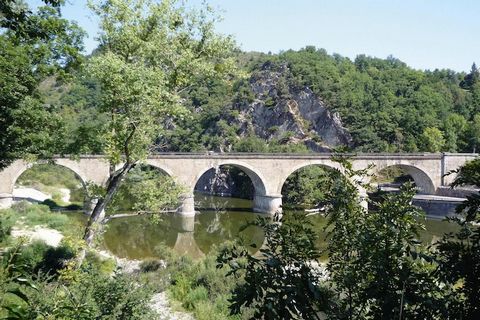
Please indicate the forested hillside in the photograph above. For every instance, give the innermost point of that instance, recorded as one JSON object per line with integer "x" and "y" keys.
{"x": 274, "y": 105}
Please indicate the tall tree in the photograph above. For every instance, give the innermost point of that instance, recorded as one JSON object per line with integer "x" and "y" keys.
{"x": 471, "y": 78}
{"x": 376, "y": 264}
{"x": 459, "y": 252}
{"x": 33, "y": 46}
{"x": 149, "y": 53}
{"x": 474, "y": 133}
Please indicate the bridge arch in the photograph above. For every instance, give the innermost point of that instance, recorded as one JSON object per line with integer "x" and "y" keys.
{"x": 262, "y": 202}
{"x": 11, "y": 175}
{"x": 164, "y": 169}
{"x": 324, "y": 164}
{"x": 254, "y": 175}
{"x": 422, "y": 180}
{"x": 25, "y": 166}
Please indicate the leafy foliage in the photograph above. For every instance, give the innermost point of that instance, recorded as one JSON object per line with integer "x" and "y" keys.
{"x": 149, "y": 53}
{"x": 33, "y": 45}
{"x": 384, "y": 103}
{"x": 306, "y": 187}
{"x": 200, "y": 287}
{"x": 458, "y": 254}
{"x": 283, "y": 282}
{"x": 146, "y": 190}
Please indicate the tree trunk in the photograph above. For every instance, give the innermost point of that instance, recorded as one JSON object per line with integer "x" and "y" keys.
{"x": 94, "y": 220}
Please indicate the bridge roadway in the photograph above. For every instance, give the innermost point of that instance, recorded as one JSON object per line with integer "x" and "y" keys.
{"x": 268, "y": 172}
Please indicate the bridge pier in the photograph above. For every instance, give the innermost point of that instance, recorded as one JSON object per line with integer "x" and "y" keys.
{"x": 187, "y": 206}
{"x": 267, "y": 204}
{"x": 6, "y": 200}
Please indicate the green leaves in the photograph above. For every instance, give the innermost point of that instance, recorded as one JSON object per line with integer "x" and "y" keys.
{"x": 33, "y": 45}
{"x": 149, "y": 190}
{"x": 149, "y": 53}
{"x": 458, "y": 255}
{"x": 378, "y": 267}
{"x": 283, "y": 282}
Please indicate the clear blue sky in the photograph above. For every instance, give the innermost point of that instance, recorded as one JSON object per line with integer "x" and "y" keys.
{"x": 426, "y": 34}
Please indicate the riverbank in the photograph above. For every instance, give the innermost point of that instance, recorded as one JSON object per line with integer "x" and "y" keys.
{"x": 159, "y": 303}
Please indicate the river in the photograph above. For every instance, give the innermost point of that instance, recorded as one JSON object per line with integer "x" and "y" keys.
{"x": 219, "y": 220}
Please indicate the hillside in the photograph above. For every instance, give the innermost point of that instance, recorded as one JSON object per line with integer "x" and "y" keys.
{"x": 306, "y": 100}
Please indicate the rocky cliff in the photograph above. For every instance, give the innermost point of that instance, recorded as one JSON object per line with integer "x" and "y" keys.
{"x": 282, "y": 110}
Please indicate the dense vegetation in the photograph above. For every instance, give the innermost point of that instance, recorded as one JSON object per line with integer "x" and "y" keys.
{"x": 33, "y": 46}
{"x": 162, "y": 79}
{"x": 386, "y": 105}
{"x": 389, "y": 106}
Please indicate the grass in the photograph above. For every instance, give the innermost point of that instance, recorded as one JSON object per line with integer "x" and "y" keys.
{"x": 31, "y": 215}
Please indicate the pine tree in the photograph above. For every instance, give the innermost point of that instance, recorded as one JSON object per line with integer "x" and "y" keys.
{"x": 470, "y": 79}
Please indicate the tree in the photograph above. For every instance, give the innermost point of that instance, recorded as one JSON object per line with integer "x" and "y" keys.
{"x": 33, "y": 46}
{"x": 458, "y": 254}
{"x": 433, "y": 140}
{"x": 455, "y": 126}
{"x": 471, "y": 78}
{"x": 377, "y": 267}
{"x": 474, "y": 133}
{"x": 149, "y": 53}
{"x": 284, "y": 282}
{"x": 306, "y": 187}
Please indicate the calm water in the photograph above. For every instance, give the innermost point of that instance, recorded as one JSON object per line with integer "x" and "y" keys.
{"x": 219, "y": 220}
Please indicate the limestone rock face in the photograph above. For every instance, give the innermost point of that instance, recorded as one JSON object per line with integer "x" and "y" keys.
{"x": 285, "y": 111}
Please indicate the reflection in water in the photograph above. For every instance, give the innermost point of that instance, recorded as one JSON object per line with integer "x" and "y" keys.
{"x": 137, "y": 238}
{"x": 219, "y": 221}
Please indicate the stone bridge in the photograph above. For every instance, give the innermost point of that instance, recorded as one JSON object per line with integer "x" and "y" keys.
{"x": 268, "y": 172}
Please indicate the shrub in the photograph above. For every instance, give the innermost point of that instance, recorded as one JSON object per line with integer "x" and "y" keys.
{"x": 92, "y": 296}
{"x": 7, "y": 220}
{"x": 194, "y": 296}
{"x": 282, "y": 283}
{"x": 151, "y": 265}
{"x": 37, "y": 257}
{"x": 201, "y": 287}
{"x": 55, "y": 259}
{"x": 270, "y": 102}
{"x": 28, "y": 256}
{"x": 105, "y": 266}
{"x": 40, "y": 215}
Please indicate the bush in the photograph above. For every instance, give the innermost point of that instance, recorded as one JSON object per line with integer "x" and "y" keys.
{"x": 151, "y": 265}
{"x": 119, "y": 297}
{"x": 194, "y": 296}
{"x": 282, "y": 283}
{"x": 55, "y": 259}
{"x": 201, "y": 287}
{"x": 92, "y": 296}
{"x": 38, "y": 214}
{"x": 28, "y": 256}
{"x": 104, "y": 266}
{"x": 38, "y": 257}
{"x": 7, "y": 220}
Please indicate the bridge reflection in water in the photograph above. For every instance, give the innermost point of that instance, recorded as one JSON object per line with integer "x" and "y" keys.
{"x": 219, "y": 220}
{"x": 195, "y": 236}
